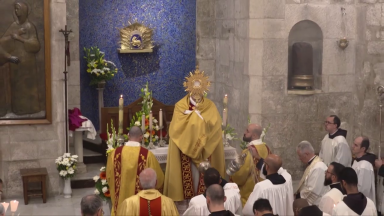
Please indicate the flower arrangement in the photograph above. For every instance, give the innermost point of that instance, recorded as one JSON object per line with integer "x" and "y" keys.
{"x": 101, "y": 185}
{"x": 230, "y": 133}
{"x": 99, "y": 68}
{"x": 66, "y": 165}
{"x": 264, "y": 133}
{"x": 111, "y": 139}
{"x": 137, "y": 118}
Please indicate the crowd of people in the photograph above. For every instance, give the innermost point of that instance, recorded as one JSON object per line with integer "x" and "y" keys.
{"x": 339, "y": 181}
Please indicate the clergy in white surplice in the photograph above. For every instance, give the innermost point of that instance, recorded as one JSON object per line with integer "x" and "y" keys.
{"x": 198, "y": 204}
{"x": 336, "y": 194}
{"x": 334, "y": 146}
{"x": 355, "y": 202}
{"x": 362, "y": 164}
{"x": 277, "y": 188}
{"x": 311, "y": 186}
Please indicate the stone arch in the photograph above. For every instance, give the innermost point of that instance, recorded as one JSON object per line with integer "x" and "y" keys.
{"x": 309, "y": 32}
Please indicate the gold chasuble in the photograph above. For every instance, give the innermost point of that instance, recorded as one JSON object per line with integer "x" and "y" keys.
{"x": 194, "y": 137}
{"x": 147, "y": 202}
{"x": 244, "y": 178}
{"x": 124, "y": 165}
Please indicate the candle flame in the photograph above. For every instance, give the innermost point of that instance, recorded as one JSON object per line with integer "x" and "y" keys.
{"x": 121, "y": 96}
{"x": 226, "y": 95}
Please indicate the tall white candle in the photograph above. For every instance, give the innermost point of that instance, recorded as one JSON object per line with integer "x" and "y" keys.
{"x": 5, "y": 205}
{"x": 224, "y": 117}
{"x": 14, "y": 204}
{"x": 121, "y": 114}
{"x": 150, "y": 120}
{"x": 143, "y": 122}
{"x": 160, "y": 118}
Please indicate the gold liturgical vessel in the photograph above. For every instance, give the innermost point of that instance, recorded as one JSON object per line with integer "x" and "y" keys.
{"x": 302, "y": 62}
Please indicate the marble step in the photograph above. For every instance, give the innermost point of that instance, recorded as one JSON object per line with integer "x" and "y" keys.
{"x": 85, "y": 180}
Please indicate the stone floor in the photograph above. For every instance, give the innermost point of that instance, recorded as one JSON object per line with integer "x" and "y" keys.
{"x": 59, "y": 206}
{"x": 55, "y": 206}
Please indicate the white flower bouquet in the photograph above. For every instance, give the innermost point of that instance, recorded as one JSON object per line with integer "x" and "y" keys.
{"x": 66, "y": 165}
{"x": 101, "y": 185}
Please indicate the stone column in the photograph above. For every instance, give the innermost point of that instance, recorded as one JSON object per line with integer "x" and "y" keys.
{"x": 78, "y": 140}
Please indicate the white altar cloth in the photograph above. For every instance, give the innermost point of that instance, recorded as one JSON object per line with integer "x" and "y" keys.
{"x": 162, "y": 152}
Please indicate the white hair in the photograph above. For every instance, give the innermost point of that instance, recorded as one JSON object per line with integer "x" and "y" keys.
{"x": 305, "y": 147}
{"x": 148, "y": 179}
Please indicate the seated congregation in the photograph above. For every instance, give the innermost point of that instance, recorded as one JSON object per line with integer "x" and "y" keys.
{"x": 333, "y": 183}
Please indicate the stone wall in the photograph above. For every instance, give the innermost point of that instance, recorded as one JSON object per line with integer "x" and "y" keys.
{"x": 74, "y": 69}
{"x": 251, "y": 42}
{"x": 222, "y": 52}
{"x": 31, "y": 146}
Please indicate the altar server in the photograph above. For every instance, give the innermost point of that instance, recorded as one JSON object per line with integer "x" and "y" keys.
{"x": 336, "y": 194}
{"x": 334, "y": 147}
{"x": 149, "y": 201}
{"x": 355, "y": 203}
{"x": 124, "y": 165}
{"x": 363, "y": 167}
{"x": 277, "y": 188}
{"x": 198, "y": 204}
{"x": 311, "y": 185}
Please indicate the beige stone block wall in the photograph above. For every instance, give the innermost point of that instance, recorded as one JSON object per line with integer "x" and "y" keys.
{"x": 252, "y": 41}
{"x": 32, "y": 146}
{"x": 222, "y": 47}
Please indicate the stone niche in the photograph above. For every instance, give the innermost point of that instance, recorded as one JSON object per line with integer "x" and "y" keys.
{"x": 309, "y": 32}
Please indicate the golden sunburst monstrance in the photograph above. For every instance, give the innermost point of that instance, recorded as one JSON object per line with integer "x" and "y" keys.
{"x": 197, "y": 82}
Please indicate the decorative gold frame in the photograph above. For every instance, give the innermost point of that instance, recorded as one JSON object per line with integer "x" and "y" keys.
{"x": 47, "y": 59}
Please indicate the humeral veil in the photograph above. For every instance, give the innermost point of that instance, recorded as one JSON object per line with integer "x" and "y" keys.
{"x": 194, "y": 137}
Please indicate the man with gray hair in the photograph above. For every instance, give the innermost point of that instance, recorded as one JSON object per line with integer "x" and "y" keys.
{"x": 149, "y": 201}
{"x": 91, "y": 205}
{"x": 311, "y": 186}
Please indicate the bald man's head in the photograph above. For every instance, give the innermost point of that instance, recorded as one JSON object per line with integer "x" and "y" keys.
{"x": 215, "y": 194}
{"x": 148, "y": 179}
{"x": 273, "y": 163}
{"x": 135, "y": 134}
{"x": 253, "y": 132}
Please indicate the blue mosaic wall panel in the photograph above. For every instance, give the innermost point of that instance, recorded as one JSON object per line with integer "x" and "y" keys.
{"x": 174, "y": 23}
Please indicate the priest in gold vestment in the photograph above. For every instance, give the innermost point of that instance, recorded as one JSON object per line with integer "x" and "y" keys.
{"x": 195, "y": 136}
{"x": 124, "y": 165}
{"x": 149, "y": 201}
{"x": 249, "y": 174}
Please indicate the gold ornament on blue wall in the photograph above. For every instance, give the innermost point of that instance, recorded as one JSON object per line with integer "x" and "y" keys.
{"x": 136, "y": 38}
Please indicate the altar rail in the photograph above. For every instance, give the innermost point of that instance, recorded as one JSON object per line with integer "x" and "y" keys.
{"x": 112, "y": 113}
